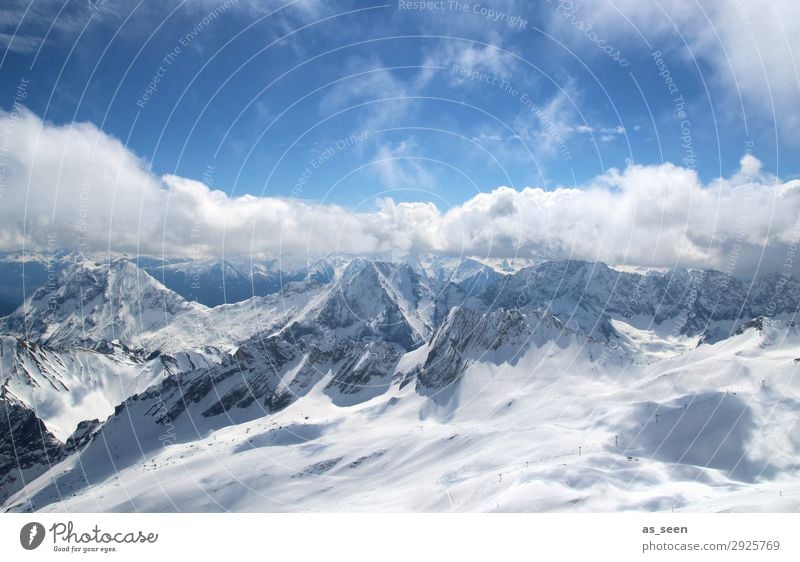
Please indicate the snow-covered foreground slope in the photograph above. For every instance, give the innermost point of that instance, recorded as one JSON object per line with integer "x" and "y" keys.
{"x": 713, "y": 428}
{"x": 51, "y": 402}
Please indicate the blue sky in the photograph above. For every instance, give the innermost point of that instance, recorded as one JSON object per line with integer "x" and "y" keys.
{"x": 369, "y": 105}
{"x": 257, "y": 95}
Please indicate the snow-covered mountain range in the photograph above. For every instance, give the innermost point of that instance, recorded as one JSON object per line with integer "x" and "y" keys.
{"x": 426, "y": 383}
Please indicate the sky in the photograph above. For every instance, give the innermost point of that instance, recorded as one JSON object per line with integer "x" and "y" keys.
{"x": 650, "y": 133}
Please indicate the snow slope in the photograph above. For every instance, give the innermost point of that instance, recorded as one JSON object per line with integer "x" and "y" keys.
{"x": 64, "y": 388}
{"x": 557, "y": 430}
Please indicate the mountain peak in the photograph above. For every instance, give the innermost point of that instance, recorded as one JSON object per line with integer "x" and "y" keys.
{"x": 94, "y": 302}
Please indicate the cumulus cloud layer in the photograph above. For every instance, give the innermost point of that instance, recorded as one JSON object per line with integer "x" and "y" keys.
{"x": 74, "y": 187}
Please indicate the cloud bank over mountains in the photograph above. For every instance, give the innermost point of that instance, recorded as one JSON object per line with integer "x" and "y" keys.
{"x": 75, "y": 187}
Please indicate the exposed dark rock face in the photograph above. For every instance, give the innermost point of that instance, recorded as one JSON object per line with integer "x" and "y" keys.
{"x": 27, "y": 448}
{"x": 82, "y": 435}
{"x": 468, "y": 335}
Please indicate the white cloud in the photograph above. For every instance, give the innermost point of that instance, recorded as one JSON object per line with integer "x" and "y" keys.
{"x": 547, "y": 127}
{"x": 366, "y": 80}
{"x": 25, "y": 24}
{"x": 84, "y": 189}
{"x": 395, "y": 164}
{"x": 489, "y": 58}
{"x": 750, "y": 46}
{"x": 397, "y": 167}
{"x": 77, "y": 184}
{"x": 19, "y": 43}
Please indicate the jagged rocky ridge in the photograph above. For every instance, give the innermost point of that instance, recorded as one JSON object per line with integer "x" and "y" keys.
{"x": 369, "y": 326}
